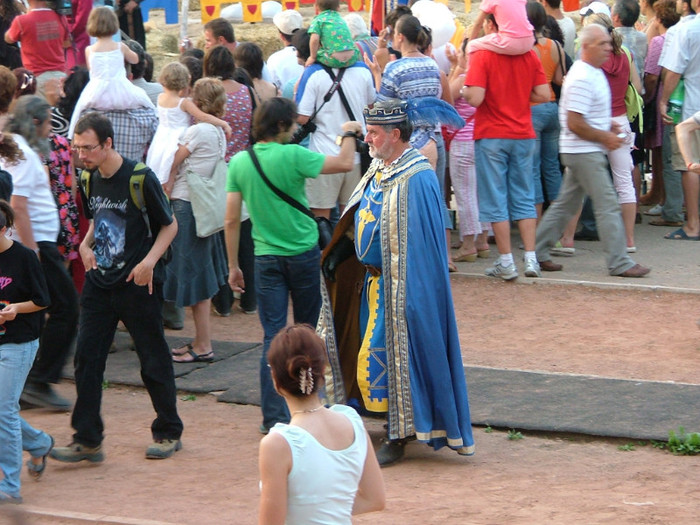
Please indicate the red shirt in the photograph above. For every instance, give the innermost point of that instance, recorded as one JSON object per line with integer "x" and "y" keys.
{"x": 41, "y": 34}
{"x": 508, "y": 81}
{"x": 617, "y": 71}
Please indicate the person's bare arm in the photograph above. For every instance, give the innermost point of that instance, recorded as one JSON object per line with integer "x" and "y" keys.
{"x": 686, "y": 133}
{"x": 345, "y": 160}
{"x": 370, "y": 495}
{"x": 671, "y": 80}
{"x": 274, "y": 463}
{"x": 474, "y": 95}
{"x": 232, "y": 235}
{"x": 634, "y": 78}
{"x": 476, "y": 26}
{"x": 142, "y": 273}
{"x": 578, "y": 125}
{"x": 180, "y": 155}
{"x": 23, "y": 223}
{"x": 314, "y": 45}
{"x": 130, "y": 56}
{"x": 540, "y": 94}
{"x": 12, "y": 310}
{"x": 446, "y": 91}
{"x": 8, "y": 39}
{"x": 85, "y": 249}
{"x": 650, "y": 84}
{"x": 192, "y": 109}
{"x": 381, "y": 54}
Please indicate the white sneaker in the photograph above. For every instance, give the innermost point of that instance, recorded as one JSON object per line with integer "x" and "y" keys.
{"x": 655, "y": 210}
{"x": 532, "y": 269}
{"x": 507, "y": 273}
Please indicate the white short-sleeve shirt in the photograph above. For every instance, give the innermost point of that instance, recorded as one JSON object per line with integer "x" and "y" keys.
{"x": 586, "y": 91}
{"x": 30, "y": 180}
{"x": 682, "y": 55}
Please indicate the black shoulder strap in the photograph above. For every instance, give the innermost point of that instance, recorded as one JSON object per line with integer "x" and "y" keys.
{"x": 286, "y": 198}
{"x": 335, "y": 86}
{"x": 344, "y": 100}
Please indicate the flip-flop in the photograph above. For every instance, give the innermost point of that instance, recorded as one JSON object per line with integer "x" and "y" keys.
{"x": 664, "y": 222}
{"x": 182, "y": 350}
{"x": 197, "y": 358}
{"x": 36, "y": 470}
{"x": 680, "y": 235}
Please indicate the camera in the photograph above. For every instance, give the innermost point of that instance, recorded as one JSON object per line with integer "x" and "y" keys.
{"x": 303, "y": 131}
{"x": 62, "y": 7}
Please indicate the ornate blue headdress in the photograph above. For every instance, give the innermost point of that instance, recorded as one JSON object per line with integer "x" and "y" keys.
{"x": 424, "y": 111}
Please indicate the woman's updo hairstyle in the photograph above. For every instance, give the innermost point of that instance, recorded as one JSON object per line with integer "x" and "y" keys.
{"x": 410, "y": 27}
{"x": 297, "y": 357}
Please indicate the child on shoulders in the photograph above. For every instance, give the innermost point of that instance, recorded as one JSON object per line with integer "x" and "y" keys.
{"x": 515, "y": 34}
{"x": 331, "y": 42}
{"x": 108, "y": 88}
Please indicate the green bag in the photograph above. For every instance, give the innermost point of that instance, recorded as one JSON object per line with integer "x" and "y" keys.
{"x": 633, "y": 100}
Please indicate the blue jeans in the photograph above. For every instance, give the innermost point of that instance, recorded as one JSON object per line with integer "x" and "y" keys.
{"x": 276, "y": 277}
{"x": 15, "y": 433}
{"x": 545, "y": 161}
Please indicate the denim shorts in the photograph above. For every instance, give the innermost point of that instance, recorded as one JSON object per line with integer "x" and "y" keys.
{"x": 504, "y": 179}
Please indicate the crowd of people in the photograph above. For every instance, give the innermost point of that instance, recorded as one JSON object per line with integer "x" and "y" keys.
{"x": 530, "y": 124}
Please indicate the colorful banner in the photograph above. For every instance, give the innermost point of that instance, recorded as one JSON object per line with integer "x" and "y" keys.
{"x": 252, "y": 10}
{"x": 356, "y": 5}
{"x": 211, "y": 9}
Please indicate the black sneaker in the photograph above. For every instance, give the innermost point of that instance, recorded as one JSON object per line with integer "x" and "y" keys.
{"x": 43, "y": 395}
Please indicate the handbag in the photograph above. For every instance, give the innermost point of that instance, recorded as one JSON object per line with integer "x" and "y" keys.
{"x": 208, "y": 197}
{"x": 325, "y": 228}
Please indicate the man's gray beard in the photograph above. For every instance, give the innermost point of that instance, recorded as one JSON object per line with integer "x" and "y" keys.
{"x": 374, "y": 153}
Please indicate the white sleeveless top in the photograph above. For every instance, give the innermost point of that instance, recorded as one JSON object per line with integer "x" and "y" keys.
{"x": 322, "y": 483}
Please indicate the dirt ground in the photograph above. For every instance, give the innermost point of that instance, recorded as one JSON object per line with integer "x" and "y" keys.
{"x": 539, "y": 479}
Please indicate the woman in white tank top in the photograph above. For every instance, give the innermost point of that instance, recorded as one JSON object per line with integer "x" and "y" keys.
{"x": 320, "y": 468}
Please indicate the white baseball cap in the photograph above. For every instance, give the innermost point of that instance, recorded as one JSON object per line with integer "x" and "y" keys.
{"x": 595, "y": 7}
{"x": 288, "y": 21}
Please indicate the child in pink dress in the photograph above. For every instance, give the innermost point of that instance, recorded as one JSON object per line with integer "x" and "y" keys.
{"x": 515, "y": 33}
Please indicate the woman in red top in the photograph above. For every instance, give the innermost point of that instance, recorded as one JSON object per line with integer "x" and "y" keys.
{"x": 619, "y": 73}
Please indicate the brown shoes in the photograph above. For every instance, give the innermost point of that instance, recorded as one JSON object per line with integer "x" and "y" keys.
{"x": 636, "y": 271}
{"x": 549, "y": 266}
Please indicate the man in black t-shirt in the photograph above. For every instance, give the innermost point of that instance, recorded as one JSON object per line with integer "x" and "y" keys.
{"x": 122, "y": 256}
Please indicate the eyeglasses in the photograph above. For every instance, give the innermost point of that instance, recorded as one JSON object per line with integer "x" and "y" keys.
{"x": 85, "y": 149}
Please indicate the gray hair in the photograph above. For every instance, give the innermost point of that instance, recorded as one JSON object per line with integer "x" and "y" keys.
{"x": 357, "y": 26}
{"x": 25, "y": 111}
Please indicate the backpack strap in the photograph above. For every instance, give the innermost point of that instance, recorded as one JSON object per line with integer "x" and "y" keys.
{"x": 136, "y": 182}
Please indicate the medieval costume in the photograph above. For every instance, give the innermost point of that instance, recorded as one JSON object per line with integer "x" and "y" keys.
{"x": 388, "y": 318}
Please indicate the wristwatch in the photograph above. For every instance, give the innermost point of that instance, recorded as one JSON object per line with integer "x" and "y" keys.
{"x": 339, "y": 138}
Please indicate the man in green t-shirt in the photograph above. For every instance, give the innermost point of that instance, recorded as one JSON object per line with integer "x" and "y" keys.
{"x": 287, "y": 257}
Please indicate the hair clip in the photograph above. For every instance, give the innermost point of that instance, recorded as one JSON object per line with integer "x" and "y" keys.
{"x": 306, "y": 380}
{"x": 27, "y": 80}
